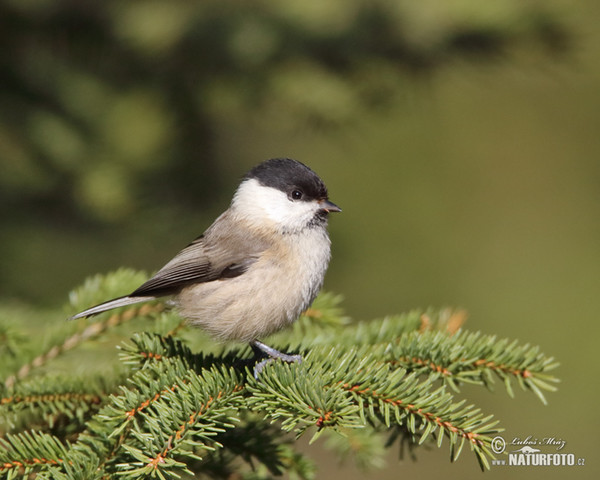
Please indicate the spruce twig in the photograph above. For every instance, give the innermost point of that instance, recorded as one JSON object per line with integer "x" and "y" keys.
{"x": 170, "y": 411}
{"x": 88, "y": 333}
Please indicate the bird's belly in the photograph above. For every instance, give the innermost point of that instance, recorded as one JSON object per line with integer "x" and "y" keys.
{"x": 269, "y": 296}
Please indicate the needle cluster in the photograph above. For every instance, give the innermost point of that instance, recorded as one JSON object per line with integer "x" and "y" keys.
{"x": 159, "y": 409}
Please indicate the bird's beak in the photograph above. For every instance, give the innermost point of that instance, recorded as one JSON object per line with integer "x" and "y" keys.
{"x": 329, "y": 207}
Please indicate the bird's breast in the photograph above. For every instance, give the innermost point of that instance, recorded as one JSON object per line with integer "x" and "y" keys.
{"x": 271, "y": 294}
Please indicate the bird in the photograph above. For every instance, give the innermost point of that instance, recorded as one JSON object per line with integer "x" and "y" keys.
{"x": 257, "y": 267}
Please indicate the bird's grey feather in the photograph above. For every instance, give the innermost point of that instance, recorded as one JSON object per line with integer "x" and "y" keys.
{"x": 115, "y": 303}
{"x": 219, "y": 253}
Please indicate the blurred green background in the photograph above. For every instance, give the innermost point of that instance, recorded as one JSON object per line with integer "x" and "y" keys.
{"x": 460, "y": 138}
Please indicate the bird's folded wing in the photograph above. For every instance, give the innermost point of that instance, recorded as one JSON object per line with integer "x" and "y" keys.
{"x": 218, "y": 254}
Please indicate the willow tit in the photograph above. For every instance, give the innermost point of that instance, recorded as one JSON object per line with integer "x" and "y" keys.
{"x": 257, "y": 267}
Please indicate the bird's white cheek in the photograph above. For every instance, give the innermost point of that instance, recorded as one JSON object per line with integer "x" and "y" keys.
{"x": 291, "y": 215}
{"x": 254, "y": 201}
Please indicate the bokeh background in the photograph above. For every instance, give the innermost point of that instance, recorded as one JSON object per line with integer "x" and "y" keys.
{"x": 461, "y": 139}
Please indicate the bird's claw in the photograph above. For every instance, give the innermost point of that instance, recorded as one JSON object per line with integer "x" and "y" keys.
{"x": 268, "y": 355}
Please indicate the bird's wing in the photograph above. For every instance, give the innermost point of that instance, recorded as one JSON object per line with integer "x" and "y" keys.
{"x": 218, "y": 254}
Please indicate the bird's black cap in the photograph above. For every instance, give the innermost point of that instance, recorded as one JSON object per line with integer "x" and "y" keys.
{"x": 287, "y": 174}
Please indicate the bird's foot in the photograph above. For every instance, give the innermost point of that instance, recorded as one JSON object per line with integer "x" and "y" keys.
{"x": 269, "y": 354}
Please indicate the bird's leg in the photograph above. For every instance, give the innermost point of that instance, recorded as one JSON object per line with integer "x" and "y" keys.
{"x": 268, "y": 354}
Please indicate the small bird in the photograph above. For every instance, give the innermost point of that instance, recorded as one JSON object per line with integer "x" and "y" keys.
{"x": 257, "y": 267}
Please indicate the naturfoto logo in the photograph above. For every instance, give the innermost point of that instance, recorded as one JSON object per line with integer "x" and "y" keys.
{"x": 531, "y": 451}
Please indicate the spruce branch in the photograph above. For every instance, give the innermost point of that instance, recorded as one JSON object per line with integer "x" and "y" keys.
{"x": 168, "y": 411}
{"x": 87, "y": 333}
{"x": 69, "y": 335}
{"x": 261, "y": 447}
{"x": 52, "y": 400}
{"x": 301, "y": 397}
{"x": 431, "y": 343}
{"x": 29, "y": 452}
{"x": 180, "y": 423}
{"x": 471, "y": 357}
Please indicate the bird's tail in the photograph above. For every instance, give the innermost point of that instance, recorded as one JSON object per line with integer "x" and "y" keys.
{"x": 117, "y": 302}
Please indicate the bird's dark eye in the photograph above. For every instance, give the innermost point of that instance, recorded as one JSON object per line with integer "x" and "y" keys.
{"x": 296, "y": 195}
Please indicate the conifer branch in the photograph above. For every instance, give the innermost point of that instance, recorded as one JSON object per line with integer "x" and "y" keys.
{"x": 431, "y": 343}
{"x": 169, "y": 411}
{"x": 88, "y": 333}
{"x": 52, "y": 400}
{"x": 28, "y": 452}
{"x": 181, "y": 423}
{"x": 473, "y": 358}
